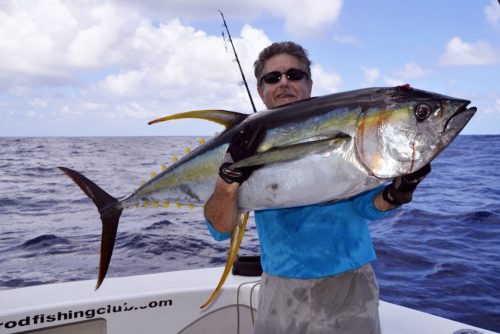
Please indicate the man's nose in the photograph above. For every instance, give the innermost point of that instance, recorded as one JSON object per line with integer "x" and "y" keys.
{"x": 284, "y": 80}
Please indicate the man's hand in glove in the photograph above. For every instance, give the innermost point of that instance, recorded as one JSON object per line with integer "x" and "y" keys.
{"x": 243, "y": 145}
{"x": 401, "y": 190}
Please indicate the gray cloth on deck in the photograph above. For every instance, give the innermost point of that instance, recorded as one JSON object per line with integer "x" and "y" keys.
{"x": 346, "y": 303}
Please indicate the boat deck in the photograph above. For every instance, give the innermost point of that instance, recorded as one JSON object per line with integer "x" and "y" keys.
{"x": 168, "y": 303}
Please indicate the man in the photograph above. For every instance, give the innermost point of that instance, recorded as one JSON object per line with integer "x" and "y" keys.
{"x": 317, "y": 277}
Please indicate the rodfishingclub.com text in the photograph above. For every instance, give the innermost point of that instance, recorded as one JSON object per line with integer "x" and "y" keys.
{"x": 39, "y": 319}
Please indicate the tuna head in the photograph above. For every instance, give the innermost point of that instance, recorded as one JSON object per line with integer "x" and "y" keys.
{"x": 407, "y": 129}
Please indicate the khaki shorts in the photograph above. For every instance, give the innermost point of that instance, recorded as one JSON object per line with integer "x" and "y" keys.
{"x": 346, "y": 303}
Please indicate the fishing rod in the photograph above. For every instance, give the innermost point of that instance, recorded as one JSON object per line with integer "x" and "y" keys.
{"x": 237, "y": 61}
{"x": 238, "y": 231}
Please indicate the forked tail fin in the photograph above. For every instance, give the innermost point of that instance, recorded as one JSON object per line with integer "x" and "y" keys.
{"x": 110, "y": 210}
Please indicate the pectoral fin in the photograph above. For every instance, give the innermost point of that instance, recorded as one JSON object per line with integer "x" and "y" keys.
{"x": 223, "y": 117}
{"x": 292, "y": 152}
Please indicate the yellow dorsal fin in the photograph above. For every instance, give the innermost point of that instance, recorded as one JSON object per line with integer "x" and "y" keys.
{"x": 223, "y": 117}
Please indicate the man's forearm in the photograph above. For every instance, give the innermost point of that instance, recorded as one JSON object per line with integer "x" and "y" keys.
{"x": 221, "y": 210}
{"x": 381, "y": 204}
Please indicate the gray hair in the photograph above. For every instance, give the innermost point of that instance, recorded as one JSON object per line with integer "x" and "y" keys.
{"x": 290, "y": 48}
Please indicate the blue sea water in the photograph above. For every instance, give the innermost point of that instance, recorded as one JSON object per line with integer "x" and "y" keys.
{"x": 439, "y": 254}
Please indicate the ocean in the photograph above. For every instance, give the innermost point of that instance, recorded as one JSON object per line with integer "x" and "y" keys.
{"x": 439, "y": 254}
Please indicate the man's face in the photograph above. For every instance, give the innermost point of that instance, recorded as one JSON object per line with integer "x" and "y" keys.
{"x": 284, "y": 91}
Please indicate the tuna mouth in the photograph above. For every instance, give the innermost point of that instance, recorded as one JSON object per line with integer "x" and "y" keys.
{"x": 459, "y": 118}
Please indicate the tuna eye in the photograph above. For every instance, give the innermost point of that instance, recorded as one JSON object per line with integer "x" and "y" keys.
{"x": 422, "y": 111}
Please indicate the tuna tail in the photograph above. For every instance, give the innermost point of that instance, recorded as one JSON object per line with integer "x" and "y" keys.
{"x": 110, "y": 210}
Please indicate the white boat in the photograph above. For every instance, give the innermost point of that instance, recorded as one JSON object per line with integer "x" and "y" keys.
{"x": 168, "y": 303}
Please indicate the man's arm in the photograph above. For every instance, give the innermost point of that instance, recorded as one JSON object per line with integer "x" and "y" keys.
{"x": 381, "y": 204}
{"x": 221, "y": 210}
{"x": 400, "y": 191}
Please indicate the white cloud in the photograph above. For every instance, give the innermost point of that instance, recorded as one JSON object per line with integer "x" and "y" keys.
{"x": 183, "y": 69}
{"x": 132, "y": 110}
{"x": 38, "y": 103}
{"x": 300, "y": 17}
{"x": 119, "y": 60}
{"x": 460, "y": 53}
{"x": 496, "y": 107}
{"x": 346, "y": 39}
{"x": 370, "y": 76}
{"x": 52, "y": 41}
{"x": 68, "y": 112}
{"x": 492, "y": 13}
{"x": 124, "y": 84}
{"x": 492, "y": 107}
{"x": 49, "y": 40}
{"x": 101, "y": 36}
{"x": 166, "y": 10}
{"x": 33, "y": 37}
{"x": 411, "y": 71}
{"x": 324, "y": 82}
{"x": 303, "y": 18}
{"x": 93, "y": 60}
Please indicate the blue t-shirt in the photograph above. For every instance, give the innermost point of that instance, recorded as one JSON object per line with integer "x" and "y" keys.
{"x": 316, "y": 240}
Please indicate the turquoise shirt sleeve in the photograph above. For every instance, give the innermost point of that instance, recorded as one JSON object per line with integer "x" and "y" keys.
{"x": 219, "y": 236}
{"x": 363, "y": 204}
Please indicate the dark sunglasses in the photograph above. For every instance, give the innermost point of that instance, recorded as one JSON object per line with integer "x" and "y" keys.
{"x": 293, "y": 74}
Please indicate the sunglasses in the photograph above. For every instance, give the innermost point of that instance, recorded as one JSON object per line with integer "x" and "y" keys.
{"x": 293, "y": 74}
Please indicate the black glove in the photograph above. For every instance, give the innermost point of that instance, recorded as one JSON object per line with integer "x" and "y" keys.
{"x": 243, "y": 145}
{"x": 401, "y": 190}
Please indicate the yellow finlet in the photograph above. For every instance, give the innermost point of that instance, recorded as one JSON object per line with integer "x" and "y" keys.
{"x": 201, "y": 141}
{"x": 166, "y": 204}
{"x": 163, "y": 166}
{"x": 188, "y": 150}
{"x": 153, "y": 174}
{"x": 155, "y": 204}
{"x": 136, "y": 205}
{"x": 174, "y": 158}
{"x": 191, "y": 206}
{"x": 178, "y": 205}
{"x": 146, "y": 204}
{"x": 143, "y": 181}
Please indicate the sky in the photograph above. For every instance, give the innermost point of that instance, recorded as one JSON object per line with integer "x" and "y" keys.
{"x": 106, "y": 68}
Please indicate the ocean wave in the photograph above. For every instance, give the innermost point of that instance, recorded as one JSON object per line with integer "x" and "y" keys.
{"x": 45, "y": 242}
